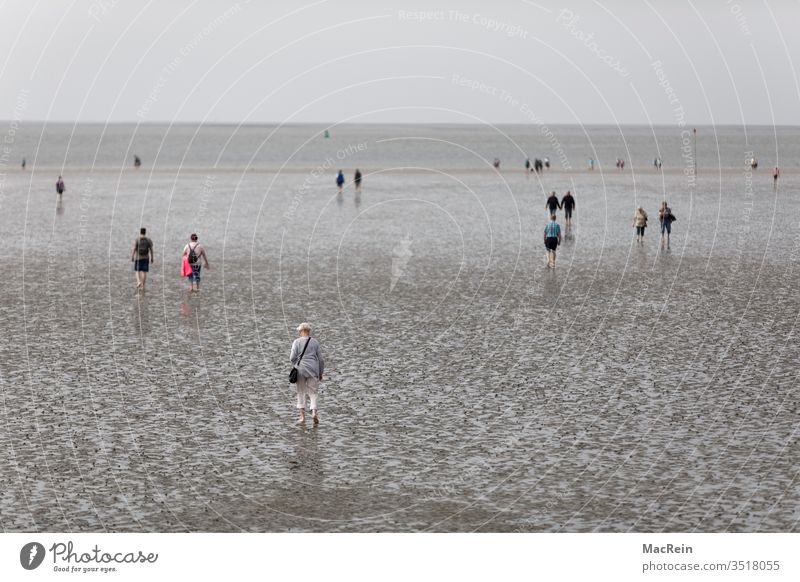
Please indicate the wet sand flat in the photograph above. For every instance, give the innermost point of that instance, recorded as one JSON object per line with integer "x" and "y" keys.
{"x": 469, "y": 388}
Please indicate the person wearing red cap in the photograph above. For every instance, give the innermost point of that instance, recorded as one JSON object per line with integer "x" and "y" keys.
{"x": 194, "y": 252}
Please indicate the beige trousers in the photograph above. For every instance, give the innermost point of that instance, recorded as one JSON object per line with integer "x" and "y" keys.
{"x": 307, "y": 387}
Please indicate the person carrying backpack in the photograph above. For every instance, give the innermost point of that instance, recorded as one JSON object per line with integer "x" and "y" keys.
{"x": 142, "y": 255}
{"x": 666, "y": 218}
{"x": 194, "y": 253}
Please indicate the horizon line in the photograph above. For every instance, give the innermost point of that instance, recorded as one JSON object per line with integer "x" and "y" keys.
{"x": 350, "y": 123}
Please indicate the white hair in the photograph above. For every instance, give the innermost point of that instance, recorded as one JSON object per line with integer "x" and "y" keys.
{"x": 304, "y": 327}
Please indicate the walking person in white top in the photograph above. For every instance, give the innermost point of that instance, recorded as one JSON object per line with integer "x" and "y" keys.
{"x": 306, "y": 356}
{"x": 194, "y": 251}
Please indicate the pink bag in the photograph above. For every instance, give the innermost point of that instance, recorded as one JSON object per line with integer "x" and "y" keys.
{"x": 186, "y": 268}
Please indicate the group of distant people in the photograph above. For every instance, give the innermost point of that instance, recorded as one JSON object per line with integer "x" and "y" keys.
{"x": 537, "y": 165}
{"x": 665, "y": 219}
{"x": 552, "y": 230}
{"x": 340, "y": 180}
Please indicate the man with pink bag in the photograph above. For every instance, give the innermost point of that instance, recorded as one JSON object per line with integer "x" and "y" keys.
{"x": 193, "y": 252}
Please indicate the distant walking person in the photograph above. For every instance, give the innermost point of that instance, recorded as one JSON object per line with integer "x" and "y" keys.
{"x": 340, "y": 181}
{"x": 357, "y": 180}
{"x": 640, "y": 222}
{"x": 527, "y": 164}
{"x": 60, "y": 188}
{"x": 23, "y": 163}
{"x": 194, "y": 253}
{"x": 547, "y": 162}
{"x": 667, "y": 218}
{"x": 552, "y": 205}
{"x": 591, "y": 164}
{"x": 496, "y": 163}
{"x": 552, "y": 238}
{"x": 568, "y": 204}
{"x": 142, "y": 256}
{"x": 306, "y": 356}
{"x": 776, "y": 173}
{"x": 137, "y": 162}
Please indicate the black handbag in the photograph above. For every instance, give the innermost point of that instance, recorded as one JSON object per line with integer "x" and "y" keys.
{"x": 293, "y": 373}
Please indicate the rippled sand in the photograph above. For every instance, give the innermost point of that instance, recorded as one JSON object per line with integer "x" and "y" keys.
{"x": 469, "y": 388}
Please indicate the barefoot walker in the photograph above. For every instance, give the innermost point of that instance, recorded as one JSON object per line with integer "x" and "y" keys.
{"x": 640, "y": 222}
{"x": 142, "y": 255}
{"x": 667, "y": 218}
{"x": 194, "y": 253}
{"x": 552, "y": 238}
{"x": 306, "y": 358}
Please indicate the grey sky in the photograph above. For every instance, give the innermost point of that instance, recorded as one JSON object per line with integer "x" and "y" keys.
{"x": 507, "y": 61}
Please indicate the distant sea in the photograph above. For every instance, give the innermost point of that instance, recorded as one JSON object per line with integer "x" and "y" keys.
{"x": 291, "y": 147}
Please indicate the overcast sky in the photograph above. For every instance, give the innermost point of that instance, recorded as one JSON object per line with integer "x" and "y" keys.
{"x": 505, "y": 61}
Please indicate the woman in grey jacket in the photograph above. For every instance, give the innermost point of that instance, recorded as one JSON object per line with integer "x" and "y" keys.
{"x": 309, "y": 371}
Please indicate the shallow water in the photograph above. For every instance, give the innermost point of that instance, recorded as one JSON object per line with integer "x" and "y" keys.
{"x": 468, "y": 387}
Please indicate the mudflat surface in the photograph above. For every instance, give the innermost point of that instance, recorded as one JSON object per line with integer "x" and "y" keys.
{"x": 468, "y": 387}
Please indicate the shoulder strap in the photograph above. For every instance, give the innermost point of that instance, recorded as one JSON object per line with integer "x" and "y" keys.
{"x": 303, "y": 353}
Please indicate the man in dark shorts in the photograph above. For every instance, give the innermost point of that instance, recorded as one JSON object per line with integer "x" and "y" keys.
{"x": 142, "y": 255}
{"x": 357, "y": 180}
{"x": 568, "y": 204}
{"x": 60, "y": 188}
{"x": 552, "y": 204}
{"x": 552, "y": 238}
